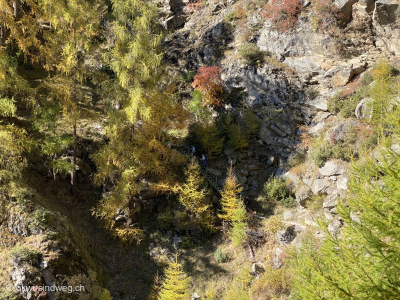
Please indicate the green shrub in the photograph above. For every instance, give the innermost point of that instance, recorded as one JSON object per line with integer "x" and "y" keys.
{"x": 219, "y": 256}
{"x": 345, "y": 150}
{"x": 289, "y": 202}
{"x": 251, "y": 54}
{"x": 26, "y": 254}
{"x": 312, "y": 93}
{"x": 367, "y": 78}
{"x": 322, "y": 154}
{"x": 277, "y": 190}
{"x": 345, "y": 102}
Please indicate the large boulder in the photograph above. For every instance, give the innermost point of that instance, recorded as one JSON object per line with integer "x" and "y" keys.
{"x": 386, "y": 22}
{"x": 345, "y": 8}
{"x": 319, "y": 186}
{"x": 364, "y": 109}
{"x": 332, "y": 168}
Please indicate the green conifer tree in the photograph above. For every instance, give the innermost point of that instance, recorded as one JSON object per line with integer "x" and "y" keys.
{"x": 363, "y": 261}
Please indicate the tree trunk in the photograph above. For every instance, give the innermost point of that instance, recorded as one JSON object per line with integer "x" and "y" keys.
{"x": 3, "y": 34}
{"x": 73, "y": 172}
{"x": 15, "y": 7}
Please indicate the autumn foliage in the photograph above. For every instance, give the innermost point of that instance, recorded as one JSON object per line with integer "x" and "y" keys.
{"x": 208, "y": 81}
{"x": 283, "y": 13}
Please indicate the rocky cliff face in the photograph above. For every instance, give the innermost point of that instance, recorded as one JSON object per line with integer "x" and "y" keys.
{"x": 305, "y": 67}
{"x": 39, "y": 248}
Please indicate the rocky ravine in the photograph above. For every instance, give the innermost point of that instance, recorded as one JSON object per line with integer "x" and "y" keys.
{"x": 306, "y": 67}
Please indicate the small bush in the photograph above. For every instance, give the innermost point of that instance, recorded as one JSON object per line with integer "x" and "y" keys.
{"x": 345, "y": 102}
{"x": 251, "y": 54}
{"x": 312, "y": 93}
{"x": 273, "y": 225}
{"x": 193, "y": 6}
{"x": 367, "y": 78}
{"x": 326, "y": 15}
{"x": 25, "y": 254}
{"x": 277, "y": 190}
{"x": 273, "y": 284}
{"x": 237, "y": 14}
{"x": 346, "y": 150}
{"x": 219, "y": 256}
{"x": 208, "y": 80}
{"x": 322, "y": 154}
{"x": 289, "y": 202}
{"x": 283, "y": 13}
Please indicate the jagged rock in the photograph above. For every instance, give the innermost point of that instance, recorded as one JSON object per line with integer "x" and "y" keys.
{"x": 341, "y": 183}
{"x": 244, "y": 172}
{"x": 319, "y": 186}
{"x": 341, "y": 75}
{"x": 266, "y": 135}
{"x": 308, "y": 180}
{"x": 277, "y": 130}
{"x": 364, "y": 109}
{"x": 303, "y": 194}
{"x": 175, "y": 242}
{"x": 174, "y": 21}
{"x": 195, "y": 296}
{"x": 286, "y": 236}
{"x": 331, "y": 201}
{"x": 257, "y": 268}
{"x": 386, "y": 21}
{"x": 287, "y": 215}
{"x": 332, "y": 168}
{"x": 320, "y": 103}
{"x": 253, "y": 166}
{"x": 315, "y": 129}
{"x": 271, "y": 161}
{"x": 293, "y": 178}
{"x": 294, "y": 44}
{"x": 368, "y": 5}
{"x": 345, "y": 7}
{"x": 310, "y": 222}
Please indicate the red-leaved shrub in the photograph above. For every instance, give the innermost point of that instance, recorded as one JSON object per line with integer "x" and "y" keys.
{"x": 208, "y": 80}
{"x": 283, "y": 13}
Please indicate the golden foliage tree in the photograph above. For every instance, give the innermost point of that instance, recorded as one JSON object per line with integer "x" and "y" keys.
{"x": 176, "y": 283}
{"x": 68, "y": 45}
{"x": 143, "y": 114}
{"x": 192, "y": 195}
{"x": 233, "y": 209}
